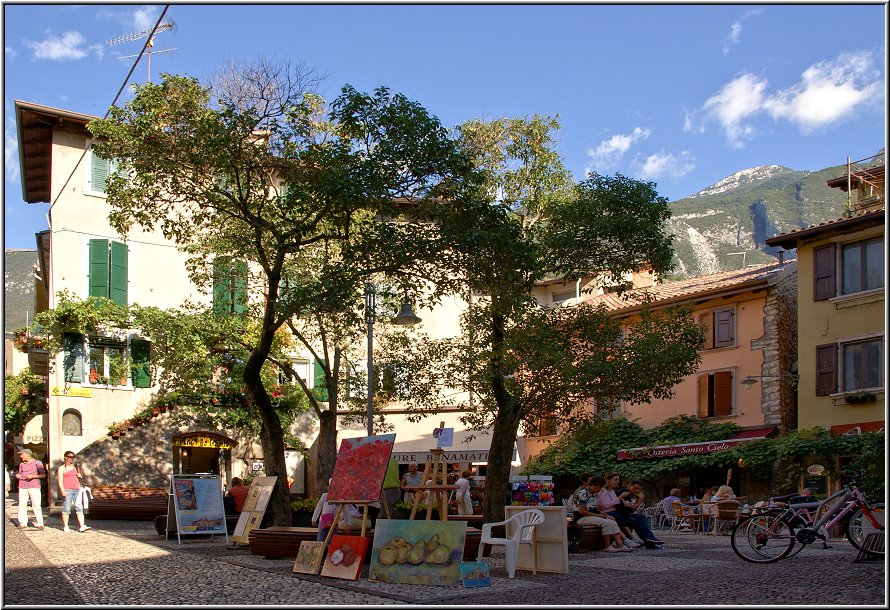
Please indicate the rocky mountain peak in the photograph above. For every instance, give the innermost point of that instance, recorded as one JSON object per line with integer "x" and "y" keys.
{"x": 742, "y": 178}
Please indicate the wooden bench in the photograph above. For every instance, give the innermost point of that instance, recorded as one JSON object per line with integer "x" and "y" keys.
{"x": 278, "y": 542}
{"x": 127, "y": 503}
{"x": 585, "y": 538}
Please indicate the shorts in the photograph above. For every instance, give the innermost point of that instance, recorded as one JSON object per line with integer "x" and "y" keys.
{"x": 71, "y": 499}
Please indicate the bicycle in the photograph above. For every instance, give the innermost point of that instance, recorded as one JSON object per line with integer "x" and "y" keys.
{"x": 772, "y": 535}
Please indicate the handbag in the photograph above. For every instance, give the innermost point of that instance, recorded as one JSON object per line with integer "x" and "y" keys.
{"x": 326, "y": 521}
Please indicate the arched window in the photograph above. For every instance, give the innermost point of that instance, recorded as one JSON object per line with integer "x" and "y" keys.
{"x": 72, "y": 424}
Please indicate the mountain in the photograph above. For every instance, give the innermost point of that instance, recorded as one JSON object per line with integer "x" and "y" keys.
{"x": 713, "y": 227}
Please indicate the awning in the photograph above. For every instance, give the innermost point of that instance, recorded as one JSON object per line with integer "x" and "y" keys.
{"x": 665, "y": 451}
{"x": 860, "y": 428}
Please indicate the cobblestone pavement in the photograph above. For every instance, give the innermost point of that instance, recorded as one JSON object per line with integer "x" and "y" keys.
{"x": 127, "y": 562}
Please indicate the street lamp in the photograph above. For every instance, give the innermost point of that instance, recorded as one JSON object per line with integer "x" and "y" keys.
{"x": 406, "y": 317}
{"x": 752, "y": 379}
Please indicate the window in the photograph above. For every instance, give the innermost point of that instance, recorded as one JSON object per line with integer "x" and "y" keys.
{"x": 862, "y": 265}
{"x": 715, "y": 394}
{"x": 301, "y": 367}
{"x": 562, "y": 297}
{"x": 107, "y": 361}
{"x": 108, "y": 270}
{"x": 99, "y": 171}
{"x": 229, "y": 286}
{"x": 861, "y": 366}
{"x": 320, "y": 386}
{"x": 719, "y": 327}
{"x": 72, "y": 424}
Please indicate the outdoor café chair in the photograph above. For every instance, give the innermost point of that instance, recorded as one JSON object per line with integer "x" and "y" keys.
{"x": 524, "y": 523}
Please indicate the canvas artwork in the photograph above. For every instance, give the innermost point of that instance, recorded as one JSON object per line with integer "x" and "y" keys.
{"x": 360, "y": 467}
{"x": 475, "y": 574}
{"x": 417, "y": 552}
{"x": 309, "y": 557}
{"x": 345, "y": 557}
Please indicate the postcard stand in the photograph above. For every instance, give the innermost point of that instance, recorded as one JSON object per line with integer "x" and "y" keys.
{"x": 437, "y": 466}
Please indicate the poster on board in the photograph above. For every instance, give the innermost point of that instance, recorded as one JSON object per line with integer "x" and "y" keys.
{"x": 254, "y": 507}
{"x": 198, "y": 504}
{"x": 360, "y": 468}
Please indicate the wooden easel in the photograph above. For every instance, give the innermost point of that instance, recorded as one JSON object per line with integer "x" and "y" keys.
{"x": 436, "y": 469}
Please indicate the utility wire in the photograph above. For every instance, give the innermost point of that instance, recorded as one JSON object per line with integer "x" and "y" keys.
{"x": 107, "y": 112}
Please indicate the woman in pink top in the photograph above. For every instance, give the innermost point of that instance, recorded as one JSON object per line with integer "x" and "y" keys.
{"x": 612, "y": 504}
{"x": 68, "y": 477}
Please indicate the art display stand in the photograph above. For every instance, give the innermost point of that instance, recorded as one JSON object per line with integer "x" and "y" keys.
{"x": 195, "y": 506}
{"x": 436, "y": 469}
{"x": 551, "y": 540}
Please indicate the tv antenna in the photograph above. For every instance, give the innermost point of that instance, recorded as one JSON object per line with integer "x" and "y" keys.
{"x": 140, "y": 35}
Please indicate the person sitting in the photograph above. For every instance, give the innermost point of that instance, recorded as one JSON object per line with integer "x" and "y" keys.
{"x": 410, "y": 480}
{"x": 724, "y": 492}
{"x": 588, "y": 513}
{"x": 613, "y": 504}
{"x": 234, "y": 500}
{"x": 668, "y": 507}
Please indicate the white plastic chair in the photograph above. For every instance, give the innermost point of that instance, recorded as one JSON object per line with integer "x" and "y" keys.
{"x": 525, "y": 523}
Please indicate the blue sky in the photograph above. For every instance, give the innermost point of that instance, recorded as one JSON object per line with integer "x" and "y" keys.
{"x": 681, "y": 95}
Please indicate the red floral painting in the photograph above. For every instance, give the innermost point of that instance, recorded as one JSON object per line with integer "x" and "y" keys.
{"x": 360, "y": 468}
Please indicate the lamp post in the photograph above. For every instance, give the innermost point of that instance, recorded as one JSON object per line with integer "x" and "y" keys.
{"x": 406, "y": 317}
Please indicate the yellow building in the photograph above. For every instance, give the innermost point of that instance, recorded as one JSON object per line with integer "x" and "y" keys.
{"x": 841, "y": 310}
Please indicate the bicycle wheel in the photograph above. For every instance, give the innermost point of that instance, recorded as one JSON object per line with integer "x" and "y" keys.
{"x": 860, "y": 526}
{"x": 762, "y": 539}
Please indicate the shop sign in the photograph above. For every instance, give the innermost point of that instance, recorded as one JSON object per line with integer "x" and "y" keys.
{"x": 815, "y": 469}
{"x": 202, "y": 439}
{"x": 420, "y": 457}
{"x": 73, "y": 392}
{"x": 679, "y": 450}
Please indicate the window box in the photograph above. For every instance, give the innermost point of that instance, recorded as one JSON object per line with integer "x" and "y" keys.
{"x": 854, "y": 398}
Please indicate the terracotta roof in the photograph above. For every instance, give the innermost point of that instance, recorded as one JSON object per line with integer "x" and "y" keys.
{"x": 862, "y": 217}
{"x": 690, "y": 288}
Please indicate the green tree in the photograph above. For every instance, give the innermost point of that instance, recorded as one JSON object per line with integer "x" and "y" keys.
{"x": 522, "y": 361}
{"x": 24, "y": 397}
{"x": 258, "y": 169}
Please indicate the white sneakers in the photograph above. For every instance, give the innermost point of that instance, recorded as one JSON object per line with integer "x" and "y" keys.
{"x": 630, "y": 544}
{"x": 66, "y": 529}
{"x": 85, "y": 528}
{"x": 615, "y": 549}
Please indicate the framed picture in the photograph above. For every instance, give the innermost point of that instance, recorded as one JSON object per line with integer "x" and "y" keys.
{"x": 417, "y": 552}
{"x": 475, "y": 574}
{"x": 345, "y": 557}
{"x": 360, "y": 468}
{"x": 308, "y": 559}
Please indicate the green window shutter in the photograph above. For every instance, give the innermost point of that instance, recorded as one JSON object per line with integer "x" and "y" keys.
{"x": 73, "y": 357}
{"x": 118, "y": 276}
{"x": 140, "y": 357}
{"x": 222, "y": 293}
{"x": 99, "y": 274}
{"x": 99, "y": 170}
{"x": 239, "y": 292}
{"x": 320, "y": 388}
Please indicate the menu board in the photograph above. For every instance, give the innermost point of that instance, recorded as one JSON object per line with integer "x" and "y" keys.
{"x": 197, "y": 504}
{"x": 254, "y": 507}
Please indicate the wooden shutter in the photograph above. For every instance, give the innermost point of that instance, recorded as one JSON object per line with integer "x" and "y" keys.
{"x": 239, "y": 287}
{"x": 117, "y": 291}
{"x": 824, "y": 263}
{"x": 724, "y": 328}
{"x": 140, "y": 356}
{"x": 706, "y": 320}
{"x": 73, "y": 358}
{"x": 99, "y": 272}
{"x": 222, "y": 292}
{"x": 99, "y": 170}
{"x": 321, "y": 387}
{"x": 703, "y": 396}
{"x": 826, "y": 369}
{"x": 722, "y": 393}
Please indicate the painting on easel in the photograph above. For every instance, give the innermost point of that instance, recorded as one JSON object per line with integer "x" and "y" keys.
{"x": 360, "y": 468}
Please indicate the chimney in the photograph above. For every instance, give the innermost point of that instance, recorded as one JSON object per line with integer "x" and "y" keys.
{"x": 781, "y": 255}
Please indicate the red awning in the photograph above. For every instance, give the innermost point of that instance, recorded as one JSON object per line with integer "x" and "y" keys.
{"x": 860, "y": 428}
{"x": 663, "y": 451}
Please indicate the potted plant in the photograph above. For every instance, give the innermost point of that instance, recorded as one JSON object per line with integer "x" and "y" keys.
{"x": 302, "y": 511}
{"x": 94, "y": 376}
{"x": 858, "y": 397}
{"x": 402, "y": 510}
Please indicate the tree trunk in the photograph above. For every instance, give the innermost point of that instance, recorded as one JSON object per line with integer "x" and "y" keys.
{"x": 326, "y": 448}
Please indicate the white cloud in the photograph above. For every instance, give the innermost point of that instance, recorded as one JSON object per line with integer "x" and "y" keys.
{"x": 735, "y": 30}
{"x": 11, "y": 151}
{"x": 69, "y": 46}
{"x": 608, "y": 152}
{"x": 734, "y": 103}
{"x": 10, "y": 52}
{"x": 827, "y": 93}
{"x": 145, "y": 18}
{"x": 664, "y": 164}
